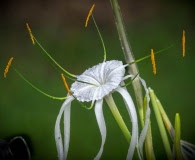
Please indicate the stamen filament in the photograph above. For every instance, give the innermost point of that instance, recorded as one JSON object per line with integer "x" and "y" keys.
{"x": 183, "y": 43}
{"x": 89, "y": 14}
{"x": 148, "y": 56}
{"x": 104, "y": 48}
{"x": 8, "y": 66}
{"x": 68, "y": 73}
{"x": 47, "y": 95}
{"x": 86, "y": 23}
{"x": 88, "y": 108}
{"x": 35, "y": 40}
{"x": 153, "y": 61}
{"x": 66, "y": 85}
{"x": 30, "y": 33}
{"x": 127, "y": 84}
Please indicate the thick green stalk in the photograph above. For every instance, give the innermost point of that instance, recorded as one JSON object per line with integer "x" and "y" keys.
{"x": 172, "y": 132}
{"x": 132, "y": 69}
{"x": 166, "y": 120}
{"x": 149, "y": 145}
{"x": 148, "y": 141}
{"x": 110, "y": 101}
{"x": 160, "y": 125}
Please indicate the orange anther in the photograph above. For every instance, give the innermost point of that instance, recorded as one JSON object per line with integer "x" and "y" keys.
{"x": 89, "y": 14}
{"x": 183, "y": 43}
{"x": 7, "y": 67}
{"x": 65, "y": 84}
{"x": 153, "y": 61}
{"x": 30, "y": 33}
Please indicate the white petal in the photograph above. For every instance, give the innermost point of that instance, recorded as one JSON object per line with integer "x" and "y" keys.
{"x": 133, "y": 117}
{"x": 62, "y": 153}
{"x": 102, "y": 126}
{"x": 128, "y": 76}
{"x": 145, "y": 128}
{"x": 147, "y": 119}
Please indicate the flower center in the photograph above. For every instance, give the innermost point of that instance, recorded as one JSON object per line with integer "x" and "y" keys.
{"x": 98, "y": 81}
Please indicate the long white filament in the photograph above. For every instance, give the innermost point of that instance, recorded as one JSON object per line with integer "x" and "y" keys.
{"x": 62, "y": 151}
{"x": 102, "y": 126}
{"x": 133, "y": 117}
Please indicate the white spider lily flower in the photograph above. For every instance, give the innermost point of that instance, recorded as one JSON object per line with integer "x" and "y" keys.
{"x": 93, "y": 85}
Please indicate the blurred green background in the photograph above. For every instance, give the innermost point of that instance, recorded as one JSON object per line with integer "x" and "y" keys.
{"x": 59, "y": 27}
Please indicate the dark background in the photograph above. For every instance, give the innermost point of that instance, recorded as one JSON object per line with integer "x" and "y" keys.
{"x": 59, "y": 27}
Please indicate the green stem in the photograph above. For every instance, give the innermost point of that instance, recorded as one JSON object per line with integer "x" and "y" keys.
{"x": 132, "y": 69}
{"x": 160, "y": 125}
{"x": 148, "y": 141}
{"x": 177, "y": 143}
{"x": 110, "y": 101}
{"x": 149, "y": 145}
{"x": 166, "y": 120}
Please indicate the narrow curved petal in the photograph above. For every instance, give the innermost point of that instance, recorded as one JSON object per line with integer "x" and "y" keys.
{"x": 62, "y": 151}
{"x": 133, "y": 116}
{"x": 128, "y": 76}
{"x": 101, "y": 125}
{"x": 143, "y": 133}
{"x": 147, "y": 120}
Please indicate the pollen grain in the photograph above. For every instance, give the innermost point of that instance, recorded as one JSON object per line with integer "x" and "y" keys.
{"x": 89, "y": 14}
{"x": 153, "y": 61}
{"x": 183, "y": 43}
{"x": 7, "y": 67}
{"x": 30, "y": 33}
{"x": 65, "y": 84}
